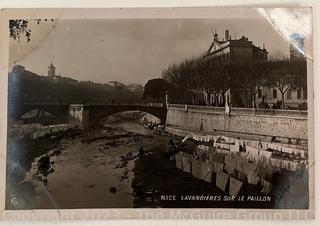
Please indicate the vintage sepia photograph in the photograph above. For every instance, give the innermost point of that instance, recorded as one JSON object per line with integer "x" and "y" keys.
{"x": 152, "y": 112}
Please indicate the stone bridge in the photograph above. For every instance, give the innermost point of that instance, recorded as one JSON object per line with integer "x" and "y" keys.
{"x": 86, "y": 116}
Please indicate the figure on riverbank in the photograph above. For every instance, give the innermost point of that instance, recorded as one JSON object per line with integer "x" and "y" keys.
{"x": 141, "y": 151}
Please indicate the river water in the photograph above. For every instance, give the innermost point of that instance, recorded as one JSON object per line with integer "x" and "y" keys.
{"x": 95, "y": 169}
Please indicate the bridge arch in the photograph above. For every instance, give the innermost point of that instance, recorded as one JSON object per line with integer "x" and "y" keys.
{"x": 60, "y": 112}
{"x": 135, "y": 114}
{"x": 97, "y": 112}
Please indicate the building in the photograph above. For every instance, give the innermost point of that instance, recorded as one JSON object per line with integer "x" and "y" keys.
{"x": 293, "y": 98}
{"x": 235, "y": 51}
{"x": 117, "y": 84}
{"x": 228, "y": 51}
{"x": 138, "y": 89}
{"x": 51, "y": 70}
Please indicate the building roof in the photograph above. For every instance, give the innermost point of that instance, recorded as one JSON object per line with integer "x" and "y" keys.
{"x": 51, "y": 65}
{"x": 222, "y": 44}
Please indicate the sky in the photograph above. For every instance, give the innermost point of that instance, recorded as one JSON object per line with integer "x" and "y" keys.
{"x": 134, "y": 50}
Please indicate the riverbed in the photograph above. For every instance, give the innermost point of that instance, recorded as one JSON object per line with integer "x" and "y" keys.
{"x": 104, "y": 168}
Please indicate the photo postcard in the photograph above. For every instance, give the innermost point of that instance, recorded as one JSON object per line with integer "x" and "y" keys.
{"x": 158, "y": 113}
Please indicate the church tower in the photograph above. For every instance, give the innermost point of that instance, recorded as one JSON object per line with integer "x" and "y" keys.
{"x": 51, "y": 70}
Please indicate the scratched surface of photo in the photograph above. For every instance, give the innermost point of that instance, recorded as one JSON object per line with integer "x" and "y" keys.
{"x": 153, "y": 112}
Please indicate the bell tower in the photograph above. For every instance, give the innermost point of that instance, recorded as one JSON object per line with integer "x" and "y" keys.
{"x": 51, "y": 70}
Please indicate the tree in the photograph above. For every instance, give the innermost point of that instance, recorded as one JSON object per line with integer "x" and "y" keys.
{"x": 19, "y": 27}
{"x": 214, "y": 78}
{"x": 285, "y": 75}
{"x": 182, "y": 78}
{"x": 172, "y": 76}
{"x": 223, "y": 80}
{"x": 253, "y": 76}
{"x": 155, "y": 90}
{"x": 189, "y": 74}
{"x": 207, "y": 75}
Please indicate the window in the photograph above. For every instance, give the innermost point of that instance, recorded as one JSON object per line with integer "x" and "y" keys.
{"x": 259, "y": 93}
{"x": 289, "y": 94}
{"x": 275, "y": 93}
{"x": 299, "y": 94}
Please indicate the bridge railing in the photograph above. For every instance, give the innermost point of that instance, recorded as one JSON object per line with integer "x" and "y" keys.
{"x": 236, "y": 110}
{"x": 97, "y": 103}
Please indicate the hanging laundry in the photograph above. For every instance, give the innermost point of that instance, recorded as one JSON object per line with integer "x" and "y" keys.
{"x": 250, "y": 168}
{"x": 216, "y": 140}
{"x": 229, "y": 169}
{"x": 264, "y": 145}
{"x": 225, "y": 146}
{"x": 266, "y": 186}
{"x": 266, "y": 154}
{"x": 286, "y": 150}
{"x": 218, "y": 157}
{"x": 235, "y": 148}
{"x": 234, "y": 186}
{"x": 242, "y": 143}
{"x": 235, "y": 173}
{"x": 203, "y": 147}
{"x": 242, "y": 176}
{"x": 240, "y": 162}
{"x": 253, "y": 179}
{"x": 178, "y": 158}
{"x": 225, "y": 139}
{"x": 293, "y": 166}
{"x": 239, "y": 175}
{"x": 228, "y": 160}
{"x": 218, "y": 166}
{"x": 208, "y": 138}
{"x": 196, "y": 168}
{"x": 206, "y": 171}
{"x": 253, "y": 154}
{"x": 262, "y": 172}
{"x": 274, "y": 146}
{"x": 186, "y": 164}
{"x": 210, "y": 155}
{"x": 222, "y": 180}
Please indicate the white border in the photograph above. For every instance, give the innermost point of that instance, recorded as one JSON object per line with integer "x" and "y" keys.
{"x": 183, "y": 3}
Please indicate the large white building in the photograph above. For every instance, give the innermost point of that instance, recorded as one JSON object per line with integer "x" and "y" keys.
{"x": 228, "y": 51}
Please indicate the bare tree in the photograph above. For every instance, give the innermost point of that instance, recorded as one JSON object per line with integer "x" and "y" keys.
{"x": 284, "y": 75}
{"x": 252, "y": 77}
{"x": 207, "y": 77}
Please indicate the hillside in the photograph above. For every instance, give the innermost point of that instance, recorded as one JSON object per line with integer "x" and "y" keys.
{"x": 26, "y": 86}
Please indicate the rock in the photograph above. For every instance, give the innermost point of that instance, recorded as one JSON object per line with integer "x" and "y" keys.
{"x": 113, "y": 190}
{"x": 88, "y": 185}
{"x": 44, "y": 162}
